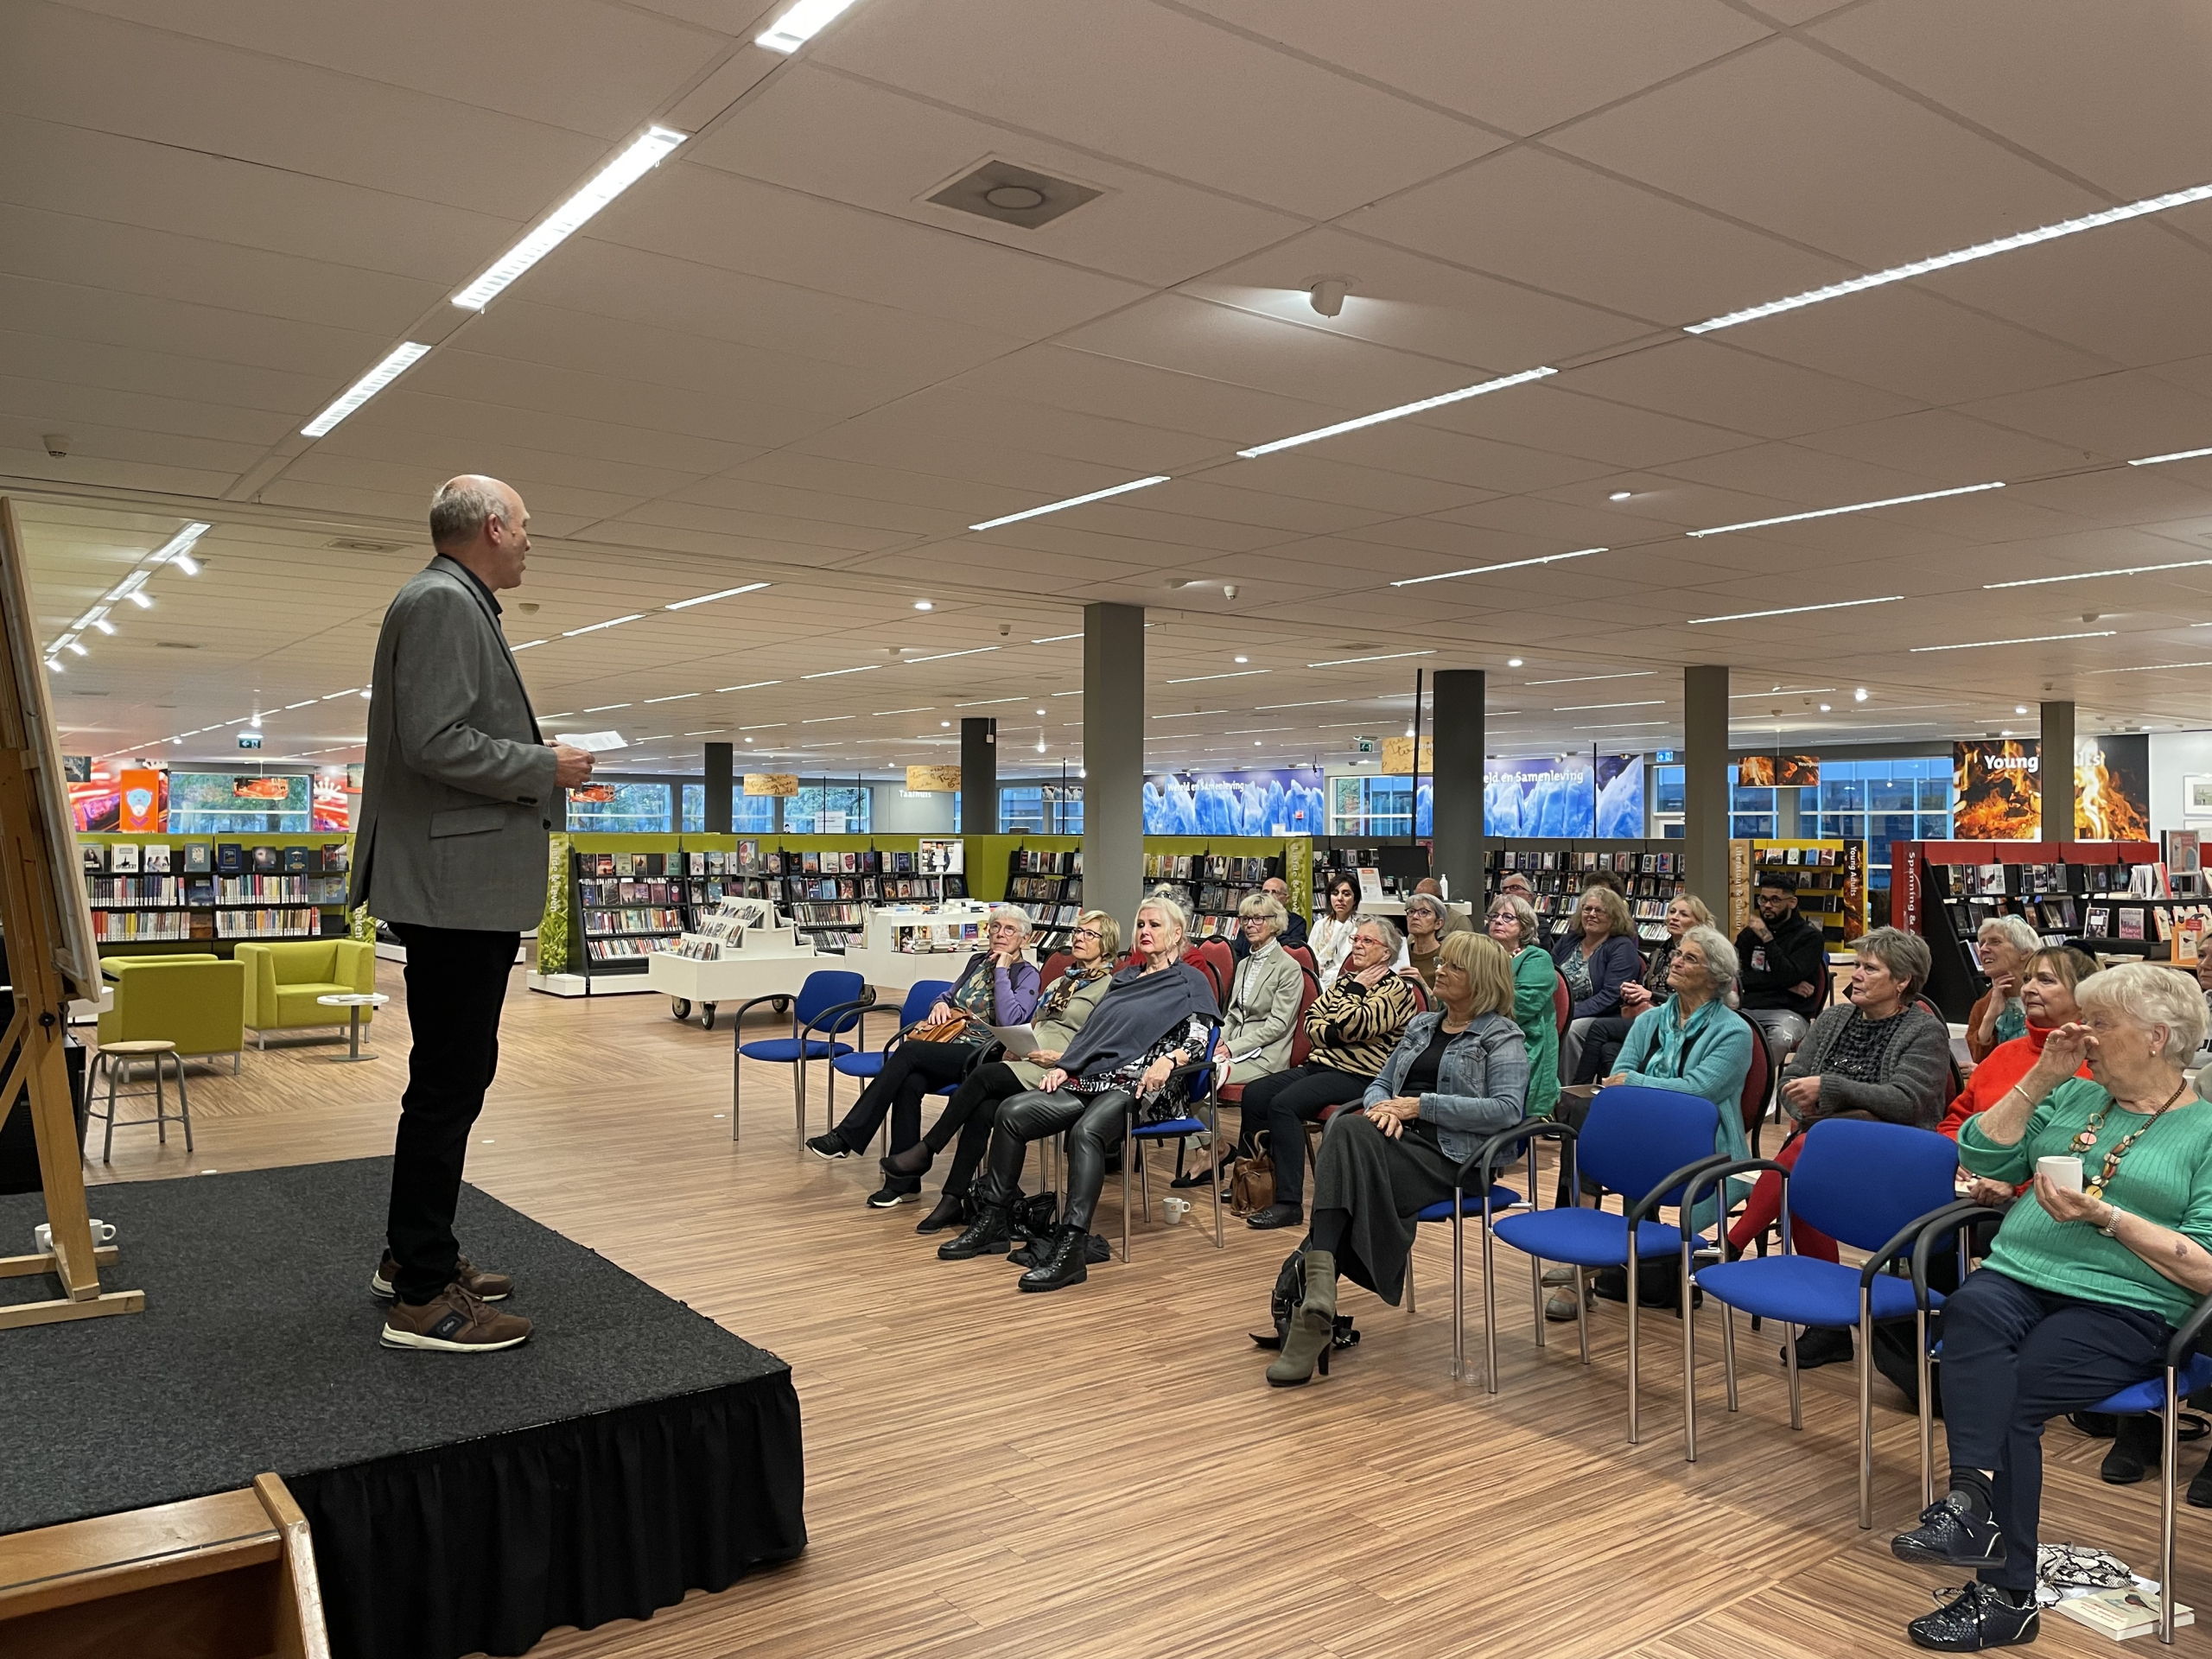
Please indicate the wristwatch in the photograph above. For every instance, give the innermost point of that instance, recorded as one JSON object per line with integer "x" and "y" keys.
{"x": 2116, "y": 1212}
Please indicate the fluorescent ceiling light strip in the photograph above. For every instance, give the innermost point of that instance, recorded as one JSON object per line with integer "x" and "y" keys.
{"x": 2031, "y": 639}
{"x": 925, "y": 708}
{"x": 832, "y": 673}
{"x": 727, "y": 593}
{"x": 1320, "y": 703}
{"x": 972, "y": 651}
{"x": 310, "y": 703}
{"x": 612, "y": 622}
{"x": 618, "y": 176}
{"x": 1510, "y": 564}
{"x": 180, "y": 543}
{"x": 1055, "y": 639}
{"x": 1241, "y": 674}
{"x": 678, "y": 697}
{"x": 1959, "y": 256}
{"x": 1397, "y": 413}
{"x": 1622, "y": 726}
{"x": 1584, "y": 679}
{"x": 1794, "y": 610}
{"x": 1386, "y": 657}
{"x": 989, "y": 703}
{"x": 401, "y": 359}
{"x": 750, "y": 685}
{"x": 1857, "y": 506}
{"x": 603, "y": 708}
{"x": 820, "y": 719}
{"x": 1193, "y": 713}
{"x": 801, "y": 24}
{"x": 2148, "y": 668}
{"x": 349, "y": 691}
{"x": 1586, "y": 707}
{"x": 527, "y": 644}
{"x": 772, "y": 726}
{"x": 1072, "y": 501}
{"x": 1781, "y": 691}
{"x": 2179, "y": 454}
{"x": 2084, "y": 575}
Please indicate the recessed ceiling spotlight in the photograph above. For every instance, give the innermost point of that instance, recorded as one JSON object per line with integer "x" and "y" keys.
{"x": 1326, "y": 295}
{"x": 2019, "y": 708}
{"x": 944, "y": 722}
{"x": 1513, "y": 662}
{"x": 1824, "y": 708}
{"x": 1040, "y": 711}
{"x": 1014, "y": 198}
{"x": 137, "y": 596}
{"x": 1859, "y": 695}
{"x": 923, "y": 605}
{"x": 1618, "y": 495}
{"x": 1242, "y": 659}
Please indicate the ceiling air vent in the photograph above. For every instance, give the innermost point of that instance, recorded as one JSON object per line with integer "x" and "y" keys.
{"x": 368, "y": 547}
{"x": 177, "y": 644}
{"x": 1013, "y": 195}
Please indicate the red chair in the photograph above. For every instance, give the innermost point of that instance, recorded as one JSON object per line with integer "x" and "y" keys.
{"x": 1753, "y": 1102}
{"x": 1214, "y": 958}
{"x": 1422, "y": 1004}
{"x": 1056, "y": 964}
{"x": 1562, "y": 1004}
{"x": 1304, "y": 958}
{"x": 1301, "y": 1046}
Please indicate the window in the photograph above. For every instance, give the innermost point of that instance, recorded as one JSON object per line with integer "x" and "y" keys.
{"x": 749, "y": 814}
{"x": 208, "y": 803}
{"x": 1379, "y": 807}
{"x": 835, "y": 810}
{"x": 635, "y": 807}
{"x": 1040, "y": 808}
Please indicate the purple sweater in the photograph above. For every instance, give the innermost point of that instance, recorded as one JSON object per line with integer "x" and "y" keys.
{"x": 1013, "y": 989}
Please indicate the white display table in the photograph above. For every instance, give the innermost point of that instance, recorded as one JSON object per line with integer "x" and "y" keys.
{"x": 770, "y": 963}
{"x": 878, "y": 962}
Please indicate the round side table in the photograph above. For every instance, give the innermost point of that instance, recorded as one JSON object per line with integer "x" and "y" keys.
{"x": 354, "y": 1002}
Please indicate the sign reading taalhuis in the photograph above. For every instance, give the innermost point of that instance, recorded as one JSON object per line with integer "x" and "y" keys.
{"x": 1998, "y": 785}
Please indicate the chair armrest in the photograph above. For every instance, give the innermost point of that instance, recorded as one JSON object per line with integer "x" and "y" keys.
{"x": 1649, "y": 1204}
{"x": 357, "y": 960}
{"x": 737, "y": 1018}
{"x": 2192, "y": 1329}
{"x": 845, "y": 1015}
{"x": 1483, "y": 1158}
{"x": 1713, "y": 1173}
{"x": 1922, "y": 1235}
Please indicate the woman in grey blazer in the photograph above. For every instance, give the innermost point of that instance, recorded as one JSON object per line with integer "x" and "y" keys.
{"x": 1262, "y": 1015}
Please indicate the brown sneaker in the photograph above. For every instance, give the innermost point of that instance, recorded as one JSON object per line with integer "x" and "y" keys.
{"x": 484, "y": 1286}
{"x": 453, "y": 1322}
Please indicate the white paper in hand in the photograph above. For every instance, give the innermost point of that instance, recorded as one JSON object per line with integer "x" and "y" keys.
{"x": 593, "y": 742}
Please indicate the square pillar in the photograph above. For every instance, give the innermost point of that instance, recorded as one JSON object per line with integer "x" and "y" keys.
{"x": 1113, "y": 758}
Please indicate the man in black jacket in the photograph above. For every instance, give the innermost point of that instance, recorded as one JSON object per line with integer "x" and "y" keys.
{"x": 1785, "y": 956}
{"x": 1294, "y": 932}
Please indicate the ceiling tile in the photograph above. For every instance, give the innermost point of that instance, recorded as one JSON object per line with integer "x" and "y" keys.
{"x": 1712, "y": 381}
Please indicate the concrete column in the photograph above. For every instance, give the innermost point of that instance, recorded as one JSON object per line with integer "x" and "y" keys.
{"x": 2055, "y": 771}
{"x": 1457, "y": 849}
{"x": 720, "y": 779}
{"x": 979, "y": 775}
{"x": 1705, "y": 782}
{"x": 1113, "y": 756}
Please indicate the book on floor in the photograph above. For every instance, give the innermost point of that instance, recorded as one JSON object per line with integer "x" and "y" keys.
{"x": 2122, "y": 1614}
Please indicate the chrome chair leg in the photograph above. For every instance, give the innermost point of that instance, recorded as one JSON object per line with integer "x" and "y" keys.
{"x": 1635, "y": 1285}
{"x": 1412, "y": 1308}
{"x": 736, "y": 1075}
{"x": 1728, "y": 1351}
{"x": 1536, "y": 1296}
{"x": 1789, "y": 1353}
{"x": 1459, "y": 1293}
{"x": 2171, "y": 1433}
{"x": 107, "y": 1147}
{"x": 161, "y": 1105}
{"x": 1866, "y": 1410}
{"x": 1582, "y": 1310}
{"x": 1927, "y": 1415}
{"x": 183, "y": 1106}
{"x": 1690, "y": 1353}
{"x": 1128, "y": 1142}
{"x": 1490, "y": 1313}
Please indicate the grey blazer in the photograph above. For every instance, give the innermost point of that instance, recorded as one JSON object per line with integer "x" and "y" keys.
{"x": 457, "y": 796}
{"x": 1263, "y": 1011}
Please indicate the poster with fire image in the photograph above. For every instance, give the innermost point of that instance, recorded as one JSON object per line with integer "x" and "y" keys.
{"x": 1998, "y": 785}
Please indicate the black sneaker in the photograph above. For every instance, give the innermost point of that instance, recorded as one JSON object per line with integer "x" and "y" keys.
{"x": 1823, "y": 1345}
{"x": 2135, "y": 1451}
{"x": 827, "y": 1145}
{"x": 1950, "y": 1534}
{"x": 895, "y": 1192}
{"x": 1980, "y": 1616}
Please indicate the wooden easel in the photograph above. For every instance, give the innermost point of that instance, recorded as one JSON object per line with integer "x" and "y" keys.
{"x": 51, "y": 956}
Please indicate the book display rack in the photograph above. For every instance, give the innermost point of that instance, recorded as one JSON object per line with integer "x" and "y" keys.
{"x": 1831, "y": 883}
{"x": 1047, "y": 887}
{"x": 1650, "y": 874}
{"x": 1210, "y": 884}
{"x": 155, "y": 890}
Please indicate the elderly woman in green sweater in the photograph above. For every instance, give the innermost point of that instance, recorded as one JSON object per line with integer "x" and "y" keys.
{"x": 2083, "y": 1289}
{"x": 1512, "y": 922}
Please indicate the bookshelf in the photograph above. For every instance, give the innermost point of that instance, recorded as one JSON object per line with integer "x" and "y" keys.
{"x": 1831, "y": 883}
{"x": 1210, "y": 884}
{"x": 626, "y": 904}
{"x": 1047, "y": 887}
{"x": 2109, "y": 897}
{"x": 155, "y": 891}
{"x": 1650, "y": 873}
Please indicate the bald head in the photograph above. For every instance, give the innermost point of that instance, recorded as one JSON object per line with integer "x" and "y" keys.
{"x": 480, "y": 522}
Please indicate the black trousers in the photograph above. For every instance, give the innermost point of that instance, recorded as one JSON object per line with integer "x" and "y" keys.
{"x": 911, "y": 1071}
{"x": 1094, "y": 1123}
{"x": 456, "y": 985}
{"x": 2014, "y": 1358}
{"x": 971, "y": 1114}
{"x": 1601, "y": 1046}
{"x": 1283, "y": 1104}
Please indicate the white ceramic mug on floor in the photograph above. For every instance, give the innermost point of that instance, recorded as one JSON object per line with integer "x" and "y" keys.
{"x": 42, "y": 1237}
{"x": 1175, "y": 1209}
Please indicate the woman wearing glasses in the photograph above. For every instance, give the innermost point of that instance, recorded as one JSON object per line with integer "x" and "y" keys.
{"x": 1093, "y": 943}
{"x": 997, "y": 988}
{"x": 1262, "y": 1015}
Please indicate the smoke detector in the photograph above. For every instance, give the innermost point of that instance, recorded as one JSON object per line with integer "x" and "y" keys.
{"x": 1013, "y": 195}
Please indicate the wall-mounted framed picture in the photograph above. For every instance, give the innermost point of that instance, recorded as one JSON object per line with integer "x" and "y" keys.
{"x": 2197, "y": 795}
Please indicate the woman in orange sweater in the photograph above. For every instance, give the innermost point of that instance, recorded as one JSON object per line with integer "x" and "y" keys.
{"x": 2047, "y": 983}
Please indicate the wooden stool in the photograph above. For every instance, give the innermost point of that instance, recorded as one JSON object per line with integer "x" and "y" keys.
{"x": 114, "y": 1055}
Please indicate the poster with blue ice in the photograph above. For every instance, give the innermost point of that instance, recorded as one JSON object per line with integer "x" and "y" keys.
{"x": 1539, "y": 795}
{"x": 1235, "y": 803}
{"x": 1620, "y": 797}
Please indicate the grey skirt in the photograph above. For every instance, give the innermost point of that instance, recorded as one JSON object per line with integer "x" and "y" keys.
{"x": 1385, "y": 1183}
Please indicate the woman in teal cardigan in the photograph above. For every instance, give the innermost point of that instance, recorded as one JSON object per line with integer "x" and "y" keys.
{"x": 1512, "y": 922}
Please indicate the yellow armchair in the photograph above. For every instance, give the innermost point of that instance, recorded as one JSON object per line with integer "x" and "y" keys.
{"x": 198, "y": 1002}
{"x": 283, "y": 977}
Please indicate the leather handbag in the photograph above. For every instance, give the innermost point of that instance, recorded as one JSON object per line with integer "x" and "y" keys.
{"x": 947, "y": 1030}
{"x": 1252, "y": 1182}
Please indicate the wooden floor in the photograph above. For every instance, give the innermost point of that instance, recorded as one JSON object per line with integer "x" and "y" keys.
{"x": 1103, "y": 1470}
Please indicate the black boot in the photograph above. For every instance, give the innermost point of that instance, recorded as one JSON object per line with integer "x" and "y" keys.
{"x": 1824, "y": 1344}
{"x": 2135, "y": 1451}
{"x": 1063, "y": 1265}
{"x": 987, "y": 1233}
{"x": 951, "y": 1210}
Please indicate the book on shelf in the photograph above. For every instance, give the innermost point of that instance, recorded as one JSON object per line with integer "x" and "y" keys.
{"x": 265, "y": 860}
{"x": 295, "y": 859}
{"x": 2096, "y": 923}
{"x": 2131, "y": 924}
{"x": 199, "y": 857}
{"x": 123, "y": 858}
{"x": 153, "y": 858}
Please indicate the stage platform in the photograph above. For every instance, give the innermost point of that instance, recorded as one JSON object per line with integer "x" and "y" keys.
{"x": 630, "y": 1452}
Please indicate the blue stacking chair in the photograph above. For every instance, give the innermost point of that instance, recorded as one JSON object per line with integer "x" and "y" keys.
{"x": 2185, "y": 1374}
{"x": 827, "y": 1005}
{"x": 1468, "y": 1197}
{"x": 1137, "y": 1136}
{"x": 1875, "y": 1187}
{"x": 1649, "y": 1141}
{"x": 921, "y": 997}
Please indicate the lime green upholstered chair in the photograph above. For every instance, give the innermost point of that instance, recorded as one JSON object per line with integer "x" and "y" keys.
{"x": 284, "y": 976}
{"x": 198, "y": 1002}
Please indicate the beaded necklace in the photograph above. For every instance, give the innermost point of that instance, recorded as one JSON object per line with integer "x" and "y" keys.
{"x": 2088, "y": 1138}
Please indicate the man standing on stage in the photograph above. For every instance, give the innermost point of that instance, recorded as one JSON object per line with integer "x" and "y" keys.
{"x": 457, "y": 798}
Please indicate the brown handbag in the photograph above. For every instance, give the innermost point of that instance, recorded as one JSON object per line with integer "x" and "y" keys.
{"x": 947, "y": 1030}
{"x": 1252, "y": 1182}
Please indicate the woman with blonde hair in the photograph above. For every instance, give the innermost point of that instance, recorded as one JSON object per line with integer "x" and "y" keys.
{"x": 1459, "y": 1073}
{"x": 1512, "y": 922}
{"x": 1602, "y": 1038}
{"x": 1596, "y": 959}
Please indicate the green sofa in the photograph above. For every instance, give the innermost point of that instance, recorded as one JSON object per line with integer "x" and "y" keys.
{"x": 198, "y": 1002}
{"x": 284, "y": 976}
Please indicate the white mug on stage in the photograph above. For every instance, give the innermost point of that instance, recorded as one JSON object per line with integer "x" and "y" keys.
{"x": 42, "y": 1236}
{"x": 2064, "y": 1170}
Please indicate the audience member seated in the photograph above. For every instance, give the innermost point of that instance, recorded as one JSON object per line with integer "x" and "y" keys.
{"x": 1262, "y": 1018}
{"x": 1514, "y": 882}
{"x": 1156, "y": 1015}
{"x": 2079, "y": 1292}
{"x": 1294, "y": 930}
{"x": 2002, "y": 945}
{"x": 1602, "y": 1039}
{"x": 997, "y": 988}
{"x": 1093, "y": 943}
{"x": 1880, "y": 1055}
{"x": 1696, "y": 1043}
{"x": 1785, "y": 958}
{"x": 1454, "y": 922}
{"x": 1353, "y": 1025}
{"x": 2048, "y": 979}
{"x": 1427, "y": 922}
{"x": 1513, "y": 923}
{"x": 1459, "y": 1073}
{"x": 1596, "y": 961}
{"x": 1330, "y": 939}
